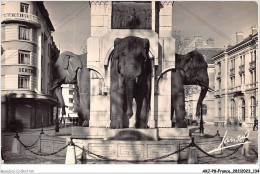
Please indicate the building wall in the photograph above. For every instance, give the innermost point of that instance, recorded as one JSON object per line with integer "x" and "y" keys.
{"x": 237, "y": 82}
{"x": 38, "y": 43}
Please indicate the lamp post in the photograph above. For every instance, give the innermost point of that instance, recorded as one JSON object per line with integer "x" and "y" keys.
{"x": 201, "y": 121}
{"x": 57, "y": 118}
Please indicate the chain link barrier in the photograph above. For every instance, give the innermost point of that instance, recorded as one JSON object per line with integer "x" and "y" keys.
{"x": 42, "y": 154}
{"x": 100, "y": 157}
{"x": 28, "y": 146}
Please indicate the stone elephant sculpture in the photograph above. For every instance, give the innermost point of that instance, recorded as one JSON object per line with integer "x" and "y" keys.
{"x": 72, "y": 69}
{"x": 190, "y": 69}
{"x": 130, "y": 78}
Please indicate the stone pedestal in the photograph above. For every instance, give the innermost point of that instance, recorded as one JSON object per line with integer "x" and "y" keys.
{"x": 162, "y": 53}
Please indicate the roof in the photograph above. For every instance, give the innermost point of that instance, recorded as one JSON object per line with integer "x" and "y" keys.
{"x": 250, "y": 37}
{"x": 45, "y": 14}
{"x": 209, "y": 53}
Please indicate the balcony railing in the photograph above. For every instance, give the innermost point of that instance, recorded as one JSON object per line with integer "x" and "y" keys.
{"x": 252, "y": 65}
{"x": 241, "y": 69}
{"x": 232, "y": 72}
{"x": 25, "y": 17}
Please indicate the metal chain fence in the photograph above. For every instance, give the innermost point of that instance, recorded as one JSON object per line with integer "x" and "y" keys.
{"x": 100, "y": 157}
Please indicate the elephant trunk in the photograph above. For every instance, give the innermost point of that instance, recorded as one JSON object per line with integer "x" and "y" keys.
{"x": 129, "y": 96}
{"x": 58, "y": 93}
{"x": 203, "y": 93}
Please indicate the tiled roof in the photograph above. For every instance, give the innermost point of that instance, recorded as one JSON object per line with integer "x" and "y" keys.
{"x": 238, "y": 44}
{"x": 209, "y": 53}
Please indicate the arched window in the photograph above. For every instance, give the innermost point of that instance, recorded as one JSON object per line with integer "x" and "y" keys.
{"x": 233, "y": 108}
{"x": 204, "y": 109}
{"x": 243, "y": 110}
{"x": 253, "y": 107}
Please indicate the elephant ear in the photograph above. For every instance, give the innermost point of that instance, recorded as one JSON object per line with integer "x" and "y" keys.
{"x": 71, "y": 63}
{"x": 146, "y": 48}
{"x": 116, "y": 44}
{"x": 186, "y": 64}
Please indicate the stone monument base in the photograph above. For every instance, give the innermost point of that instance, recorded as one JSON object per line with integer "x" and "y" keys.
{"x": 132, "y": 144}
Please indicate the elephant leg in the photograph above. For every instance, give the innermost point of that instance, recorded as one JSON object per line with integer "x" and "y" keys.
{"x": 144, "y": 114}
{"x": 142, "y": 102}
{"x": 172, "y": 113}
{"x": 84, "y": 109}
{"x": 117, "y": 111}
{"x": 179, "y": 99}
{"x": 118, "y": 106}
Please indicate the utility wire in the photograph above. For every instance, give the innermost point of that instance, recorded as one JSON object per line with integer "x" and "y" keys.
{"x": 70, "y": 13}
{"x": 70, "y": 18}
{"x": 206, "y": 23}
{"x": 82, "y": 5}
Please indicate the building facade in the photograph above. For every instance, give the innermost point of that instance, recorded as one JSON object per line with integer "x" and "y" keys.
{"x": 208, "y": 50}
{"x": 236, "y": 81}
{"x": 28, "y": 56}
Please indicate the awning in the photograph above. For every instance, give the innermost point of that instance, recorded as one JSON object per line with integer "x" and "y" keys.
{"x": 21, "y": 95}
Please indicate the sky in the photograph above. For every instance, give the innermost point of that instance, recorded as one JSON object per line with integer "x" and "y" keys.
{"x": 71, "y": 21}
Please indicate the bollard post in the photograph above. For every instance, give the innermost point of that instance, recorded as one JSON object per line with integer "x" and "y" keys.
{"x": 192, "y": 154}
{"x": 40, "y": 142}
{"x": 246, "y": 149}
{"x": 83, "y": 156}
{"x": 70, "y": 155}
{"x": 16, "y": 148}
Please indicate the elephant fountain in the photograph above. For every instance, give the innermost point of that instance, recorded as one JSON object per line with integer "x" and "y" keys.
{"x": 191, "y": 69}
{"x": 71, "y": 69}
{"x": 130, "y": 78}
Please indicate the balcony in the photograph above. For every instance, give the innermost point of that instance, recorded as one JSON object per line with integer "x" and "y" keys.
{"x": 23, "y": 17}
{"x": 232, "y": 72}
{"x": 219, "y": 75}
{"x": 252, "y": 65}
{"x": 241, "y": 69}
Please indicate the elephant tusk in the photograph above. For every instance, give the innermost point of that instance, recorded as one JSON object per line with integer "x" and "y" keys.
{"x": 136, "y": 79}
{"x": 54, "y": 87}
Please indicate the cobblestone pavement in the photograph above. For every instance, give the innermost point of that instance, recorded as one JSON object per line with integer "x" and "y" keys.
{"x": 30, "y": 136}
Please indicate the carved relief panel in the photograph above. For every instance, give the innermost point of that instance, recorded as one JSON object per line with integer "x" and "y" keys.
{"x": 131, "y": 15}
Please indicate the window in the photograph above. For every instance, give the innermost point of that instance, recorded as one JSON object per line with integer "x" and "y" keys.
{"x": 219, "y": 84}
{"x": 242, "y": 79}
{"x": 252, "y": 74}
{"x": 23, "y": 82}
{"x": 71, "y": 108}
{"x": 36, "y": 13}
{"x": 233, "y": 108}
{"x": 254, "y": 55}
{"x": 219, "y": 108}
{"x": 243, "y": 110}
{"x": 24, "y": 8}
{"x": 253, "y": 107}
{"x": 71, "y": 100}
{"x": 24, "y": 57}
{"x": 204, "y": 109}
{"x": 24, "y": 33}
{"x": 71, "y": 92}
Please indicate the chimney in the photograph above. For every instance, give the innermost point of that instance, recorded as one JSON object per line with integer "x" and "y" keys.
{"x": 198, "y": 41}
{"x": 210, "y": 42}
{"x": 239, "y": 37}
{"x": 254, "y": 30}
